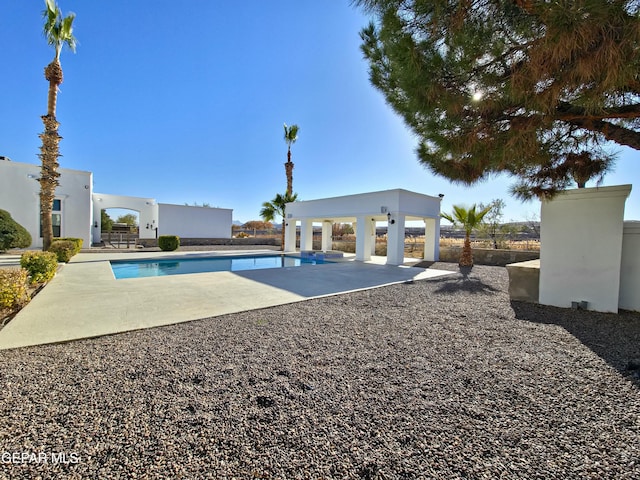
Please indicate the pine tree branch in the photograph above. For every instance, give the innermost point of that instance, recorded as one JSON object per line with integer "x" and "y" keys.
{"x": 610, "y": 131}
{"x": 569, "y": 112}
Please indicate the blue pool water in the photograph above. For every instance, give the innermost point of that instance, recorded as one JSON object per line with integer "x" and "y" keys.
{"x": 154, "y": 268}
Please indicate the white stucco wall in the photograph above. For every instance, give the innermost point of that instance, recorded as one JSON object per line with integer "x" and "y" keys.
{"x": 19, "y": 195}
{"x": 630, "y": 268}
{"x": 581, "y": 247}
{"x": 194, "y": 222}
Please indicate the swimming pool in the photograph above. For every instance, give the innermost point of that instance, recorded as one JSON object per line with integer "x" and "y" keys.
{"x": 179, "y": 266}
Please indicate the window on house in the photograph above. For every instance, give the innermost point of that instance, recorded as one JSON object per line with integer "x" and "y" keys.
{"x": 56, "y": 219}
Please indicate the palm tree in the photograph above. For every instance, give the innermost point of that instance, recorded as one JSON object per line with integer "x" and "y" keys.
{"x": 468, "y": 219}
{"x": 58, "y": 31}
{"x": 290, "y": 137}
{"x": 276, "y": 207}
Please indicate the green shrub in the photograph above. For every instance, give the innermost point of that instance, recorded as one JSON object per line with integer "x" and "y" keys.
{"x": 41, "y": 266}
{"x": 77, "y": 243}
{"x": 168, "y": 243}
{"x": 63, "y": 249}
{"x": 13, "y": 288}
{"x": 12, "y": 234}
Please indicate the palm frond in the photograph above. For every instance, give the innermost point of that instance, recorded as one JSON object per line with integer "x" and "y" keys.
{"x": 276, "y": 207}
{"x": 291, "y": 134}
{"x": 58, "y": 30}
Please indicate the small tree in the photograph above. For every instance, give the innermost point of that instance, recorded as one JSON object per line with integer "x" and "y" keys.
{"x": 276, "y": 207}
{"x": 130, "y": 219}
{"x": 492, "y": 223}
{"x": 106, "y": 222}
{"x": 257, "y": 225}
{"x": 469, "y": 219}
{"x": 340, "y": 229}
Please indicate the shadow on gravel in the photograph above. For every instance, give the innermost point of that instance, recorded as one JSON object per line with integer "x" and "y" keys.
{"x": 613, "y": 337}
{"x": 464, "y": 281}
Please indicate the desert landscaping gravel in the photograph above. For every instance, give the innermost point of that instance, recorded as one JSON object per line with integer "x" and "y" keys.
{"x": 444, "y": 378}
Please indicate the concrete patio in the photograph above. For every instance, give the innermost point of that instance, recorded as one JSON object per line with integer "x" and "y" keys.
{"x": 85, "y": 300}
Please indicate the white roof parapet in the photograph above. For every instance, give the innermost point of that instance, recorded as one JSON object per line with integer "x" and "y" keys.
{"x": 374, "y": 204}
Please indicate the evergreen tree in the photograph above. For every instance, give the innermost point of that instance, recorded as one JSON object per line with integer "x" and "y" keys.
{"x": 521, "y": 86}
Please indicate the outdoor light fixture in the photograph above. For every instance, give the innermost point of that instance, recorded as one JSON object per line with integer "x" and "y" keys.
{"x": 389, "y": 219}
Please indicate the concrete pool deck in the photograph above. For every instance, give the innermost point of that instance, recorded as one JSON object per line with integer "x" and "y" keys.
{"x": 85, "y": 300}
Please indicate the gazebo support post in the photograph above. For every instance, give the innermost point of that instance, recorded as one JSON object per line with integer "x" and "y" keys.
{"x": 306, "y": 235}
{"x": 395, "y": 239}
{"x": 327, "y": 230}
{"x": 363, "y": 238}
{"x": 432, "y": 239}
{"x": 290, "y": 235}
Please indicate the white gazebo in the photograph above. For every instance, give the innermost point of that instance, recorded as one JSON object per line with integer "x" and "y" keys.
{"x": 395, "y": 207}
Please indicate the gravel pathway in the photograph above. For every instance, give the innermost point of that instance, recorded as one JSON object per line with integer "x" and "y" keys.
{"x": 437, "y": 379}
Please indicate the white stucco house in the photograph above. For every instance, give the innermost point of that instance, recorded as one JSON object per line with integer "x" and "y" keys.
{"x": 76, "y": 208}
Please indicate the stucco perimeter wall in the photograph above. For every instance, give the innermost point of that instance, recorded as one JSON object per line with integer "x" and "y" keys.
{"x": 194, "y": 222}
{"x": 630, "y": 267}
{"x": 488, "y": 256}
{"x": 581, "y": 247}
{"x": 20, "y": 196}
{"x": 213, "y": 242}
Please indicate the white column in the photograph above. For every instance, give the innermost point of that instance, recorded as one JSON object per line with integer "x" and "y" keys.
{"x": 363, "y": 239}
{"x": 432, "y": 239}
{"x": 581, "y": 247}
{"x": 327, "y": 230}
{"x": 306, "y": 235}
{"x": 290, "y": 235}
{"x": 395, "y": 240}
{"x": 373, "y": 236}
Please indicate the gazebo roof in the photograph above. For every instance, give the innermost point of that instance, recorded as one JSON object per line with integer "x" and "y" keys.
{"x": 375, "y": 205}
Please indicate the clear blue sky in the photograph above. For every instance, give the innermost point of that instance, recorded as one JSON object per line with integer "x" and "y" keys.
{"x": 185, "y": 101}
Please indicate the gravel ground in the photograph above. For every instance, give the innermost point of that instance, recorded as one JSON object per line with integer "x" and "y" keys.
{"x": 442, "y": 378}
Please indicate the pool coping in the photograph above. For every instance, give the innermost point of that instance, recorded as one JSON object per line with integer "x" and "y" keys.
{"x": 304, "y": 259}
{"x": 85, "y": 300}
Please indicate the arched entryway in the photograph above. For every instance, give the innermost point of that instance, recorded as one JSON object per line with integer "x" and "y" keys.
{"x": 145, "y": 208}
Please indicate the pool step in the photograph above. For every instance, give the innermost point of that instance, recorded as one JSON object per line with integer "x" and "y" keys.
{"x": 319, "y": 255}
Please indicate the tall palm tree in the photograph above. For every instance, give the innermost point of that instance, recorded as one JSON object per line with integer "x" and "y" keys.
{"x": 468, "y": 219}
{"x": 290, "y": 137}
{"x": 58, "y": 31}
{"x": 276, "y": 207}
